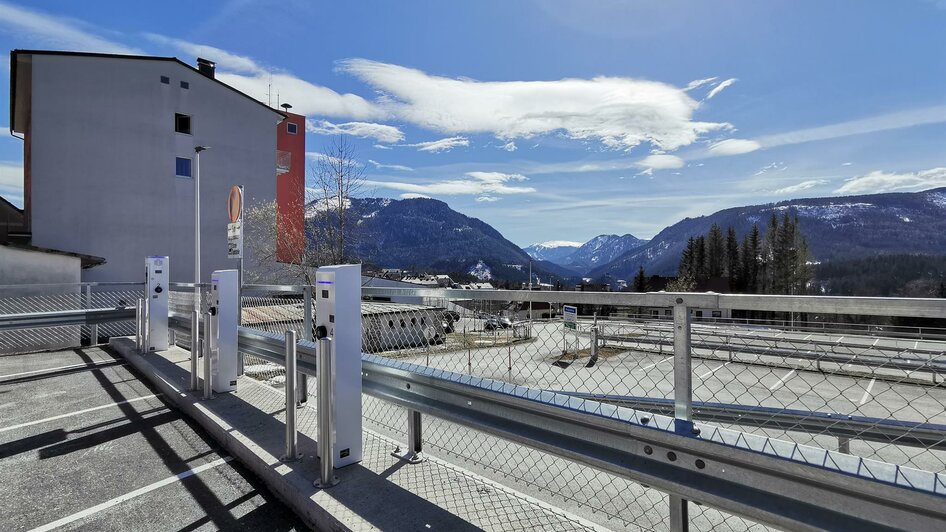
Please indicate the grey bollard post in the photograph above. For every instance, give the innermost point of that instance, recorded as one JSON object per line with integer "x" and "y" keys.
{"x": 94, "y": 328}
{"x": 195, "y": 349}
{"x": 682, "y": 399}
{"x": 208, "y": 347}
{"x": 326, "y": 414}
{"x": 139, "y": 321}
{"x": 292, "y": 436}
{"x": 146, "y": 326}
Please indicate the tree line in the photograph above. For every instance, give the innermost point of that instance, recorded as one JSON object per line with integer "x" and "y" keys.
{"x": 775, "y": 261}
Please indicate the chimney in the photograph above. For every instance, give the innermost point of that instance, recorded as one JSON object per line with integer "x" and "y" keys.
{"x": 206, "y": 67}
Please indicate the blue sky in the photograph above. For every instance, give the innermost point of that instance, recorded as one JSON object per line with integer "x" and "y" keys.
{"x": 562, "y": 120}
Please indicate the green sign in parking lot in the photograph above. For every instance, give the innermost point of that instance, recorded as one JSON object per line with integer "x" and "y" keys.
{"x": 571, "y": 317}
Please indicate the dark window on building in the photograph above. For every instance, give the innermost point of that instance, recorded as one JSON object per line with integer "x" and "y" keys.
{"x": 292, "y": 128}
{"x": 668, "y": 313}
{"x": 166, "y": 80}
{"x": 182, "y": 167}
{"x": 699, "y": 314}
{"x": 182, "y": 123}
{"x": 185, "y": 85}
{"x": 717, "y": 314}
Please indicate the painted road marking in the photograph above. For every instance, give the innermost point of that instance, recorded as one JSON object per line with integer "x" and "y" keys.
{"x": 654, "y": 365}
{"x": 62, "y": 416}
{"x": 130, "y": 495}
{"x": 61, "y": 368}
{"x": 867, "y": 392}
{"x": 782, "y": 381}
{"x": 714, "y": 370}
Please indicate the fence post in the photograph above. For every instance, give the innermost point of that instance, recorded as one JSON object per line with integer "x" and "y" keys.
{"x": 139, "y": 327}
{"x": 292, "y": 436}
{"x": 303, "y": 395}
{"x": 94, "y": 328}
{"x": 195, "y": 349}
{"x": 682, "y": 399}
{"x": 208, "y": 355}
{"x": 146, "y": 325}
{"x": 415, "y": 441}
{"x": 326, "y": 414}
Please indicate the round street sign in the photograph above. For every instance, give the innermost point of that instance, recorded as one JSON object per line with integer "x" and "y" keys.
{"x": 235, "y": 204}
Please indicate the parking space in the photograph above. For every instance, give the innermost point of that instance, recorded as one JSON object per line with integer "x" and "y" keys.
{"x": 96, "y": 448}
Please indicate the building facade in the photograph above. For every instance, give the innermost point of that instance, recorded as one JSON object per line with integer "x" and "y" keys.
{"x": 109, "y": 157}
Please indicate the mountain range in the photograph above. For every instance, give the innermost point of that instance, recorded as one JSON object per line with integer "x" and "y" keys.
{"x": 426, "y": 234}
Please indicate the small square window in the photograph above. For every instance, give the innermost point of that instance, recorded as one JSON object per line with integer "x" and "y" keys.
{"x": 183, "y": 167}
{"x": 185, "y": 85}
{"x": 166, "y": 80}
{"x": 292, "y": 128}
{"x": 182, "y": 123}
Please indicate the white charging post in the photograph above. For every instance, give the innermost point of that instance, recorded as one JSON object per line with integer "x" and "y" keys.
{"x": 338, "y": 310}
{"x": 156, "y": 292}
{"x": 225, "y": 296}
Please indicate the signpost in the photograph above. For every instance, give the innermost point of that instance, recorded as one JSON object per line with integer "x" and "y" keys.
{"x": 235, "y": 227}
{"x": 571, "y": 317}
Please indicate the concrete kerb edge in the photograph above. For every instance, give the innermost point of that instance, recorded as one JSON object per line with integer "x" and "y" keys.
{"x": 248, "y": 453}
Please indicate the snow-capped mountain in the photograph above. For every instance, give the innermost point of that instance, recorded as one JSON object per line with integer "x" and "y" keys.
{"x": 553, "y": 250}
{"x": 836, "y": 228}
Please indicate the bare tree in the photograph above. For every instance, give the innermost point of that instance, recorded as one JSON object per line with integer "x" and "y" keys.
{"x": 337, "y": 177}
{"x": 327, "y": 234}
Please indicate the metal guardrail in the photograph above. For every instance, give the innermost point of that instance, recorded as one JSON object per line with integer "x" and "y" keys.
{"x": 65, "y": 317}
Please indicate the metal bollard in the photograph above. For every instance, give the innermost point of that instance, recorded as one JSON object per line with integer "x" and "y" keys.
{"x": 195, "y": 349}
{"x": 292, "y": 437}
{"x": 146, "y": 326}
{"x": 139, "y": 321}
{"x": 326, "y": 400}
{"x": 94, "y": 328}
{"x": 208, "y": 347}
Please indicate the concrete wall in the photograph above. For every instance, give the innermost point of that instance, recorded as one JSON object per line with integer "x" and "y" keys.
{"x": 23, "y": 266}
{"x": 103, "y": 162}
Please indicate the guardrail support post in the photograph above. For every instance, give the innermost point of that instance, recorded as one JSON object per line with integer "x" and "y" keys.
{"x": 208, "y": 355}
{"x": 292, "y": 436}
{"x": 303, "y": 395}
{"x": 326, "y": 415}
{"x": 94, "y": 328}
{"x": 844, "y": 445}
{"x": 415, "y": 440}
{"x": 682, "y": 399}
{"x": 195, "y": 349}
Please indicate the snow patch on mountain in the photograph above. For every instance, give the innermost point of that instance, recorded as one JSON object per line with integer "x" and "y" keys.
{"x": 552, "y": 244}
{"x": 481, "y": 271}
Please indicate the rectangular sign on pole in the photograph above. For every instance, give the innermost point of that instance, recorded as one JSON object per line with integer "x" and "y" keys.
{"x": 235, "y": 240}
{"x": 571, "y": 317}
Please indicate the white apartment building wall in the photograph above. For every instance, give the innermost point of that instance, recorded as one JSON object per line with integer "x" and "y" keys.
{"x": 102, "y": 160}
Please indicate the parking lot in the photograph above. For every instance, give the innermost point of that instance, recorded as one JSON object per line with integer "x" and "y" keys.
{"x": 85, "y": 444}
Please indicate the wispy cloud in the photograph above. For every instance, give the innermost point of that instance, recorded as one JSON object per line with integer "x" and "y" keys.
{"x": 481, "y": 184}
{"x": 719, "y": 88}
{"x": 487, "y": 199}
{"x": 619, "y": 112}
{"x": 510, "y": 146}
{"x": 437, "y": 146}
{"x": 379, "y": 132}
{"x": 661, "y": 162}
{"x": 879, "y": 181}
{"x": 697, "y": 83}
{"x": 733, "y": 147}
{"x": 57, "y": 32}
{"x": 223, "y": 59}
{"x": 798, "y": 187}
{"x": 398, "y": 167}
{"x": 412, "y": 195}
{"x": 319, "y": 156}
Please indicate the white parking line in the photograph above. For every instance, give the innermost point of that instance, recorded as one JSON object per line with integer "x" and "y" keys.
{"x": 60, "y": 368}
{"x": 61, "y": 416}
{"x": 867, "y": 392}
{"x": 712, "y": 371}
{"x": 130, "y": 495}
{"x": 653, "y": 365}
{"x": 781, "y": 381}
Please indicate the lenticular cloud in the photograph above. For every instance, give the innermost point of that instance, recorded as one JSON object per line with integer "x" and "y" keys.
{"x": 619, "y": 112}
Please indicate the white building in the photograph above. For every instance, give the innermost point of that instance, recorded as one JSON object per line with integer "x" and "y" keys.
{"x": 109, "y": 157}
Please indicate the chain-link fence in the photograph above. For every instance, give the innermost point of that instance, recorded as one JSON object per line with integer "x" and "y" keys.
{"x": 24, "y": 299}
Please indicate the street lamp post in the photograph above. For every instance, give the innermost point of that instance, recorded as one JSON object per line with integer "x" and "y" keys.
{"x": 197, "y": 150}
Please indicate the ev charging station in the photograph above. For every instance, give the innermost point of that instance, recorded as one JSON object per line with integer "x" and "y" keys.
{"x": 338, "y": 314}
{"x": 156, "y": 292}
{"x": 225, "y": 301}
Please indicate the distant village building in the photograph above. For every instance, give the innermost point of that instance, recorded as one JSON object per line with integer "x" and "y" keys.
{"x": 109, "y": 159}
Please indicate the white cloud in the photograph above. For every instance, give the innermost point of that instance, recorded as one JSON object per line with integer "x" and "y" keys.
{"x": 223, "y": 58}
{"x": 879, "y": 181}
{"x": 804, "y": 185}
{"x": 733, "y": 147}
{"x": 379, "y": 132}
{"x": 382, "y": 147}
{"x": 11, "y": 182}
{"x": 319, "y": 156}
{"x": 846, "y": 164}
{"x": 510, "y": 146}
{"x": 771, "y": 167}
{"x": 306, "y": 98}
{"x": 399, "y": 167}
{"x": 411, "y": 195}
{"x": 437, "y": 146}
{"x": 661, "y": 162}
{"x": 473, "y": 183}
{"x": 619, "y": 112}
{"x": 56, "y": 32}
{"x": 719, "y": 88}
{"x": 697, "y": 83}
{"x": 487, "y": 199}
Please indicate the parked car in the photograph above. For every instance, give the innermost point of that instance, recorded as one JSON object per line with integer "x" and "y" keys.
{"x": 491, "y": 324}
